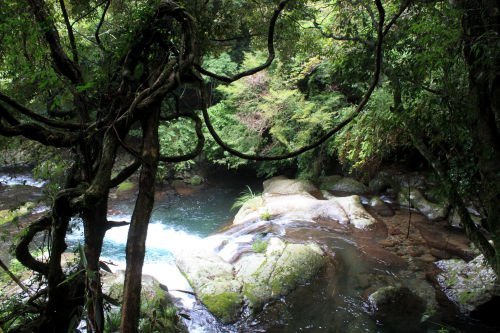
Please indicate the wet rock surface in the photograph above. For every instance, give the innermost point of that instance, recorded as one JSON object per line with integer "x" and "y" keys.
{"x": 470, "y": 285}
{"x": 257, "y": 276}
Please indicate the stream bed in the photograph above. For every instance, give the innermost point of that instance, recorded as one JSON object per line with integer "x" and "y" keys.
{"x": 334, "y": 301}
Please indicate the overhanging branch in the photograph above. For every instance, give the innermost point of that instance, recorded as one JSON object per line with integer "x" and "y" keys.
{"x": 270, "y": 49}
{"x": 360, "y": 107}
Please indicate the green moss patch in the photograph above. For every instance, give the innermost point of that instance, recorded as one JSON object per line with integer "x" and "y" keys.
{"x": 8, "y": 215}
{"x": 125, "y": 186}
{"x": 224, "y": 306}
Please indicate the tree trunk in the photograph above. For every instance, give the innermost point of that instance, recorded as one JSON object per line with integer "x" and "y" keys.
{"x": 136, "y": 242}
{"x": 95, "y": 219}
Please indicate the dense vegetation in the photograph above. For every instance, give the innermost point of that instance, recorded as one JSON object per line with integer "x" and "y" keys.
{"x": 353, "y": 82}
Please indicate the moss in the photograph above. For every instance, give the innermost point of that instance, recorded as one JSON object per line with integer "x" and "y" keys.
{"x": 224, "y": 306}
{"x": 265, "y": 216}
{"x": 259, "y": 246}
{"x": 196, "y": 180}
{"x": 125, "y": 186}
{"x": 7, "y": 215}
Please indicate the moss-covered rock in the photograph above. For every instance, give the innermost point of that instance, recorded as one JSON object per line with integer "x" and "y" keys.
{"x": 415, "y": 198}
{"x": 339, "y": 184}
{"x": 468, "y": 284}
{"x": 397, "y": 308}
{"x": 213, "y": 281}
{"x": 256, "y": 278}
{"x": 8, "y": 215}
{"x": 158, "y": 313}
{"x": 224, "y": 305}
{"x": 196, "y": 180}
{"x": 284, "y": 268}
{"x": 283, "y": 185}
{"x": 380, "y": 207}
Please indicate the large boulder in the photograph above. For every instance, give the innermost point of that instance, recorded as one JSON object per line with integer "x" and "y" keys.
{"x": 283, "y": 185}
{"x": 289, "y": 208}
{"x": 282, "y": 269}
{"x": 213, "y": 281}
{"x": 468, "y": 284}
{"x": 257, "y": 277}
{"x": 415, "y": 198}
{"x": 397, "y": 308}
{"x": 339, "y": 184}
{"x": 380, "y": 207}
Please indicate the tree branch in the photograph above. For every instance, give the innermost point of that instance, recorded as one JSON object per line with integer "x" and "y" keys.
{"x": 35, "y": 116}
{"x": 96, "y": 34}
{"x": 199, "y": 144}
{"x": 125, "y": 173}
{"x": 70, "y": 31}
{"x": 270, "y": 49}
{"x": 62, "y": 63}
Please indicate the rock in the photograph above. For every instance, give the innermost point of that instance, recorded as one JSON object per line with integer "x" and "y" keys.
{"x": 432, "y": 211}
{"x": 283, "y": 185}
{"x": 8, "y": 215}
{"x": 347, "y": 185}
{"x": 213, "y": 281}
{"x": 284, "y": 267}
{"x": 381, "y": 182}
{"x": 255, "y": 278}
{"x": 289, "y": 208}
{"x": 380, "y": 207}
{"x": 356, "y": 213}
{"x": 468, "y": 284}
{"x": 196, "y": 180}
{"x": 398, "y": 309}
{"x": 456, "y": 221}
{"x": 153, "y": 299}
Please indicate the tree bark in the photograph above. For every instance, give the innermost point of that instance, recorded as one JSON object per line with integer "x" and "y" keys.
{"x": 136, "y": 241}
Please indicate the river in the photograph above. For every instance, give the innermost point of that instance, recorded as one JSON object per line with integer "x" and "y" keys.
{"x": 336, "y": 299}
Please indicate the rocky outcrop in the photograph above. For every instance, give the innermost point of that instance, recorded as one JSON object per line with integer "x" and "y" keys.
{"x": 339, "y": 184}
{"x": 398, "y": 308}
{"x": 380, "y": 207}
{"x": 282, "y": 269}
{"x": 289, "y": 208}
{"x": 8, "y": 215}
{"x": 468, "y": 284}
{"x": 213, "y": 281}
{"x": 416, "y": 199}
{"x": 282, "y": 185}
{"x": 253, "y": 280}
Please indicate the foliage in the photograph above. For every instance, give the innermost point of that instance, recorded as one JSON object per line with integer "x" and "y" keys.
{"x": 259, "y": 246}
{"x": 246, "y": 196}
{"x": 265, "y": 113}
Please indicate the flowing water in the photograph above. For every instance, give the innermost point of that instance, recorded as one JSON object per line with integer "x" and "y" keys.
{"x": 336, "y": 299}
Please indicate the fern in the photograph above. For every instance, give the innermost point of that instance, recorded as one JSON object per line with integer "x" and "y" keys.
{"x": 245, "y": 196}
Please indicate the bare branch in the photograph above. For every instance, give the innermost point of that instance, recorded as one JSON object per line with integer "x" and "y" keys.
{"x": 22, "y": 249}
{"x": 14, "y": 278}
{"x": 70, "y": 31}
{"x": 113, "y": 224}
{"x": 199, "y": 145}
{"x": 62, "y": 63}
{"x": 360, "y": 107}
{"x": 35, "y": 116}
{"x": 89, "y": 12}
{"x": 39, "y": 133}
{"x": 125, "y": 173}
{"x": 96, "y": 34}
{"x": 270, "y": 49}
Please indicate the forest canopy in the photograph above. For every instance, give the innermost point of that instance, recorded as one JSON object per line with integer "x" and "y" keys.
{"x": 274, "y": 85}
